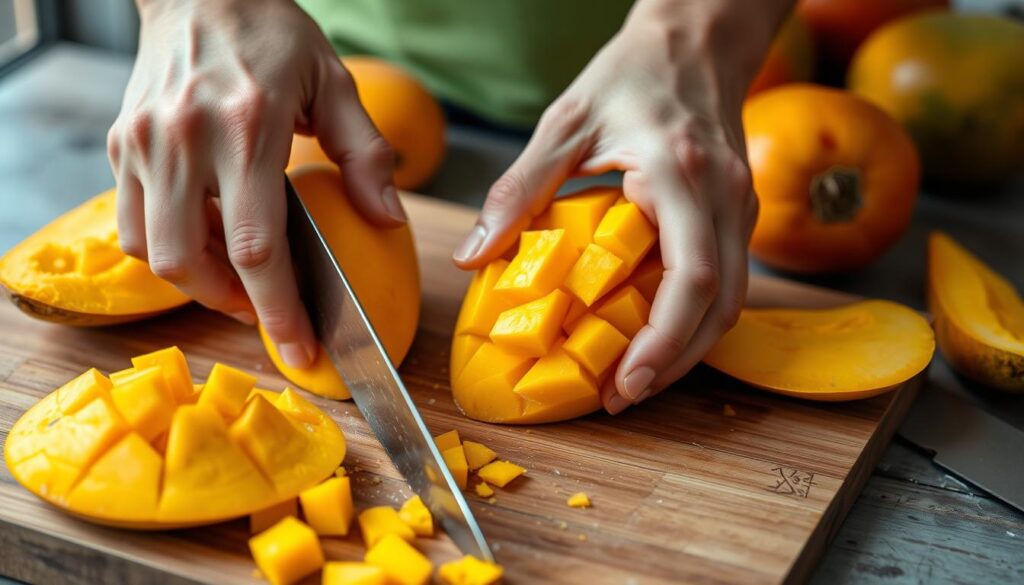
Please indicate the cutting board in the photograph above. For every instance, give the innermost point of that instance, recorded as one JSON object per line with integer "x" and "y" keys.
{"x": 681, "y": 490}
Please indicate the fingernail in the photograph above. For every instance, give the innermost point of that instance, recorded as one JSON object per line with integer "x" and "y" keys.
{"x": 637, "y": 382}
{"x": 244, "y": 317}
{"x": 617, "y": 403}
{"x": 471, "y": 244}
{"x": 392, "y": 205}
{"x": 644, "y": 395}
{"x": 294, "y": 355}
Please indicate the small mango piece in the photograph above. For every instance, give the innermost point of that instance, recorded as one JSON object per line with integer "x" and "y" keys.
{"x": 455, "y": 459}
{"x": 82, "y": 390}
{"x": 499, "y": 473}
{"x": 271, "y": 441}
{"x": 483, "y": 490}
{"x": 49, "y": 477}
{"x": 579, "y": 500}
{"x": 352, "y": 573}
{"x": 477, "y": 454}
{"x": 556, "y": 378}
{"x": 470, "y": 570}
{"x": 481, "y": 306}
{"x": 576, "y": 310}
{"x": 416, "y": 514}
{"x": 463, "y": 349}
{"x": 260, "y": 520}
{"x": 625, "y": 232}
{"x": 145, "y": 402}
{"x": 578, "y": 214}
{"x": 538, "y": 268}
{"x": 226, "y": 390}
{"x": 595, "y": 273}
{"x": 298, "y": 407}
{"x": 531, "y": 328}
{"x": 403, "y": 564}
{"x": 122, "y": 375}
{"x": 341, "y": 472}
{"x": 595, "y": 344}
{"x": 80, "y": 438}
{"x": 626, "y": 309}
{"x": 287, "y": 551}
{"x": 448, "y": 440}
{"x": 174, "y": 367}
{"x": 328, "y": 507}
{"x": 380, "y": 521}
{"x": 123, "y": 483}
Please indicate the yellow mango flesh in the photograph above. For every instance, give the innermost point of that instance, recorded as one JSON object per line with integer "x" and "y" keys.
{"x": 979, "y": 316}
{"x": 380, "y": 521}
{"x": 417, "y": 516}
{"x": 328, "y": 507}
{"x": 403, "y": 564}
{"x": 352, "y": 573}
{"x": 470, "y": 570}
{"x": 850, "y": 352}
{"x": 499, "y": 473}
{"x": 287, "y": 551}
{"x": 73, "y": 271}
{"x": 448, "y": 440}
{"x": 455, "y": 459}
{"x": 514, "y": 364}
{"x": 380, "y": 264}
{"x": 131, "y": 454}
{"x": 477, "y": 454}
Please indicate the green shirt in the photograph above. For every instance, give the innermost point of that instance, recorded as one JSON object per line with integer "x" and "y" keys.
{"x": 504, "y": 60}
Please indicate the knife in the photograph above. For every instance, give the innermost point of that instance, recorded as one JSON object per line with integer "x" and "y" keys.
{"x": 355, "y": 350}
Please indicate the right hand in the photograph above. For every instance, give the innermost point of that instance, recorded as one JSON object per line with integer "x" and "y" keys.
{"x": 204, "y": 133}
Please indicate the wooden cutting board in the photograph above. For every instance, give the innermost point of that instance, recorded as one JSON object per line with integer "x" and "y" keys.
{"x": 682, "y": 492}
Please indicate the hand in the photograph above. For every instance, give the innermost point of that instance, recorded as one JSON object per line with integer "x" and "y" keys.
{"x": 661, "y": 102}
{"x": 201, "y": 142}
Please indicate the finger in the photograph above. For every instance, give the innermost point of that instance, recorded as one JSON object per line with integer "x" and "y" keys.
{"x": 131, "y": 215}
{"x": 689, "y": 283}
{"x": 253, "y": 206}
{"x": 350, "y": 139}
{"x": 526, "y": 188}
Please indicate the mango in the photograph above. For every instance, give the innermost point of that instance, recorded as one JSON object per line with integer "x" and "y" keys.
{"x": 500, "y": 473}
{"x": 470, "y": 570}
{"x": 448, "y": 440}
{"x": 328, "y": 507}
{"x": 260, "y": 520}
{"x": 578, "y": 500}
{"x": 477, "y": 454}
{"x": 455, "y": 459}
{"x": 380, "y": 521}
{"x": 417, "y": 516}
{"x": 287, "y": 552}
{"x": 403, "y": 564}
{"x": 352, "y": 573}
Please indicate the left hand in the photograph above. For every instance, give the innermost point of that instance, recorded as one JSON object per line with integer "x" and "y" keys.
{"x": 661, "y": 102}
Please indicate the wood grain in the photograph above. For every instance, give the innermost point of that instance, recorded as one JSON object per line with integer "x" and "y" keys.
{"x": 682, "y": 493}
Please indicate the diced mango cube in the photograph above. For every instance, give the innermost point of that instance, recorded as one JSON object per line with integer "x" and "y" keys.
{"x": 578, "y": 500}
{"x": 448, "y": 440}
{"x": 483, "y": 490}
{"x": 260, "y": 520}
{"x": 464, "y": 346}
{"x": 80, "y": 438}
{"x": 226, "y": 390}
{"x": 578, "y": 214}
{"x": 595, "y": 344}
{"x": 145, "y": 402}
{"x": 455, "y": 459}
{"x": 487, "y": 380}
{"x": 595, "y": 273}
{"x": 328, "y": 507}
{"x": 478, "y": 455}
{"x": 556, "y": 378}
{"x": 576, "y": 310}
{"x": 481, "y": 307}
{"x": 380, "y": 521}
{"x": 124, "y": 482}
{"x": 174, "y": 367}
{"x": 352, "y": 573}
{"x": 647, "y": 277}
{"x": 298, "y": 407}
{"x": 499, "y": 473}
{"x": 531, "y": 328}
{"x": 416, "y": 514}
{"x": 403, "y": 564}
{"x": 82, "y": 390}
{"x": 538, "y": 269}
{"x": 121, "y": 375}
{"x": 626, "y": 309}
{"x": 51, "y": 477}
{"x": 270, "y": 440}
{"x": 625, "y": 232}
{"x": 269, "y": 395}
{"x": 470, "y": 570}
{"x": 287, "y": 551}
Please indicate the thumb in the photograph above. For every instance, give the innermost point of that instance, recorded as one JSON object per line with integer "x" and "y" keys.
{"x": 350, "y": 139}
{"x": 526, "y": 188}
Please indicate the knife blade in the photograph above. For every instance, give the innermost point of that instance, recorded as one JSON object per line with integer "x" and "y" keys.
{"x": 356, "y": 351}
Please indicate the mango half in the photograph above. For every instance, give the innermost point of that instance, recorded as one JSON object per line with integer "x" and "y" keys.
{"x": 845, "y": 353}
{"x": 979, "y": 317}
{"x": 537, "y": 335}
{"x": 146, "y": 449}
{"x": 72, "y": 271}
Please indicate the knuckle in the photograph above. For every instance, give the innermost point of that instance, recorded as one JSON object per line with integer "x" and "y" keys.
{"x": 184, "y": 122}
{"x": 379, "y": 152}
{"x": 275, "y": 320}
{"x": 132, "y": 247}
{"x": 250, "y": 247}
{"x": 704, "y": 278}
{"x": 563, "y": 118}
{"x": 732, "y": 306}
{"x": 138, "y": 130}
{"x": 171, "y": 268}
{"x": 508, "y": 191}
{"x": 114, "y": 146}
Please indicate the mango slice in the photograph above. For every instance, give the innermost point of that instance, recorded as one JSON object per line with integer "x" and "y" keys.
{"x": 403, "y": 564}
{"x": 377, "y": 522}
{"x": 416, "y": 514}
{"x": 470, "y": 570}
{"x": 72, "y": 271}
{"x": 499, "y": 473}
{"x": 578, "y": 500}
{"x": 979, "y": 316}
{"x": 448, "y": 440}
{"x": 455, "y": 459}
{"x": 352, "y": 573}
{"x": 477, "y": 454}
{"x": 134, "y": 454}
{"x": 846, "y": 353}
{"x": 287, "y": 552}
{"x": 380, "y": 264}
{"x": 328, "y": 507}
{"x": 521, "y": 353}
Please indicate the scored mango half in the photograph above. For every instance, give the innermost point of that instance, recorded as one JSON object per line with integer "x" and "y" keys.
{"x": 147, "y": 449}
{"x": 539, "y": 334}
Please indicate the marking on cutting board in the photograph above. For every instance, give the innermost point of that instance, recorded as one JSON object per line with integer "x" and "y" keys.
{"x": 792, "y": 482}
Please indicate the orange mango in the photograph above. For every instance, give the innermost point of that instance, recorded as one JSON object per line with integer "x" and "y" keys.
{"x": 543, "y": 261}
{"x": 531, "y": 328}
{"x": 380, "y": 521}
{"x": 403, "y": 564}
{"x": 328, "y": 507}
{"x": 595, "y": 273}
{"x": 287, "y": 552}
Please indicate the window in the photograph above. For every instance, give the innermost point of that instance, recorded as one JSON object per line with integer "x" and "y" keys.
{"x": 19, "y": 29}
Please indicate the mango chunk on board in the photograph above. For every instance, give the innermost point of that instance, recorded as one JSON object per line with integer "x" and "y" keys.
{"x": 380, "y": 521}
{"x": 328, "y": 507}
{"x": 470, "y": 570}
{"x": 403, "y": 564}
{"x": 352, "y": 573}
{"x": 416, "y": 514}
{"x": 287, "y": 551}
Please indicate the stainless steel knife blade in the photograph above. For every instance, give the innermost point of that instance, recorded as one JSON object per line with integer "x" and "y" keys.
{"x": 353, "y": 346}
